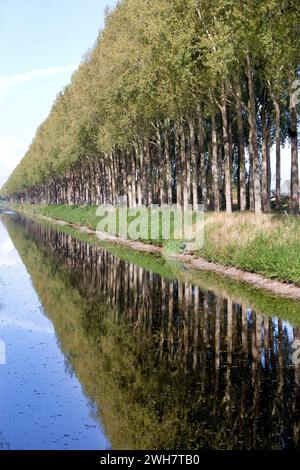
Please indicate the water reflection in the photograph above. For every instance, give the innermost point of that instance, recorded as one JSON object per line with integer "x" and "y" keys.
{"x": 41, "y": 403}
{"x": 170, "y": 365}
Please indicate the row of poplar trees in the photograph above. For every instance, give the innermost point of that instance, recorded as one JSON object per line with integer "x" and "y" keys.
{"x": 179, "y": 101}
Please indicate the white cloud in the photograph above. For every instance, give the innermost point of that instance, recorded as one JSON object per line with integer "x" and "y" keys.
{"x": 7, "y": 82}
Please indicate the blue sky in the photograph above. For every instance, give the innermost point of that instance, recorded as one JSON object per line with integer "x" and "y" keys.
{"x": 42, "y": 43}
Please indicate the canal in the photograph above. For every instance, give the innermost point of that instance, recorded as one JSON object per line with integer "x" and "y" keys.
{"x": 102, "y": 347}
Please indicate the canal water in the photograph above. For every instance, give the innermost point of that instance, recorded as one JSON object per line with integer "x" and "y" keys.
{"x": 101, "y": 347}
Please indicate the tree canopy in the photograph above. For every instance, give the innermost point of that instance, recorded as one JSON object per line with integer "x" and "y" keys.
{"x": 178, "y": 101}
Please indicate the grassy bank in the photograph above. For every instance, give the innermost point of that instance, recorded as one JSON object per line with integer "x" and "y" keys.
{"x": 268, "y": 245}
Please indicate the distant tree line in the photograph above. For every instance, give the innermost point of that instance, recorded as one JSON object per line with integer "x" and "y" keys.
{"x": 178, "y": 101}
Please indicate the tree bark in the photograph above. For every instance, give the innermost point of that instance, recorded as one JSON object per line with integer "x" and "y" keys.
{"x": 161, "y": 167}
{"x": 265, "y": 140}
{"x": 168, "y": 164}
{"x": 184, "y": 167}
{"x": 202, "y": 157}
{"x": 253, "y": 135}
{"x": 294, "y": 157}
{"x": 227, "y": 156}
{"x": 278, "y": 154}
{"x": 133, "y": 160}
{"x": 178, "y": 166}
{"x": 139, "y": 167}
{"x": 194, "y": 163}
{"x": 215, "y": 176}
{"x": 242, "y": 166}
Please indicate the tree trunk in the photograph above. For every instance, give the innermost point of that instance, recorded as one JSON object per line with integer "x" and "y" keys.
{"x": 269, "y": 170}
{"x": 242, "y": 166}
{"x": 139, "y": 167}
{"x": 161, "y": 167}
{"x": 278, "y": 154}
{"x": 148, "y": 173}
{"x": 215, "y": 173}
{"x": 294, "y": 157}
{"x": 184, "y": 167}
{"x": 253, "y": 134}
{"x": 168, "y": 164}
{"x": 202, "y": 157}
{"x": 265, "y": 140}
{"x": 113, "y": 179}
{"x": 251, "y": 178}
{"x": 194, "y": 164}
{"x": 178, "y": 166}
{"x": 227, "y": 156}
{"x": 132, "y": 154}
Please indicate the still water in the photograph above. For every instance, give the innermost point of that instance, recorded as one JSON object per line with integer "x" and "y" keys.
{"x": 103, "y": 350}
{"x": 42, "y": 404}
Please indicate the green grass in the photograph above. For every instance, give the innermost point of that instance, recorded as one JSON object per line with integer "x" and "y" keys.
{"x": 268, "y": 245}
{"x": 79, "y": 215}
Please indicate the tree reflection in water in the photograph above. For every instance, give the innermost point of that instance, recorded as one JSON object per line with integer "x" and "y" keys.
{"x": 168, "y": 364}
